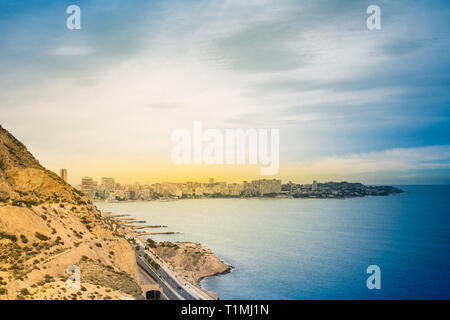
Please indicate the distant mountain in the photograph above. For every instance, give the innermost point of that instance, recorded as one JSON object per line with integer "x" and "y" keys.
{"x": 46, "y": 227}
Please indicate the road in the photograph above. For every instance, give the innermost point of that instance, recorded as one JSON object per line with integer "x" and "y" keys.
{"x": 170, "y": 293}
{"x": 170, "y": 279}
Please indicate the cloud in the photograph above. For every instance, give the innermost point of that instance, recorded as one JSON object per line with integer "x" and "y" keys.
{"x": 70, "y": 50}
{"x": 398, "y": 159}
{"x": 164, "y": 105}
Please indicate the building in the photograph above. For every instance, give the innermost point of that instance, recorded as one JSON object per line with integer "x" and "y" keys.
{"x": 266, "y": 186}
{"x": 88, "y": 187}
{"x": 63, "y": 174}
{"x": 314, "y": 186}
{"x": 108, "y": 184}
{"x": 198, "y": 192}
{"x": 158, "y": 188}
{"x": 86, "y": 183}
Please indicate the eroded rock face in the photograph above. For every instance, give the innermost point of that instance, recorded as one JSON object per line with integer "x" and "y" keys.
{"x": 192, "y": 260}
{"x": 47, "y": 226}
{"x": 24, "y": 181}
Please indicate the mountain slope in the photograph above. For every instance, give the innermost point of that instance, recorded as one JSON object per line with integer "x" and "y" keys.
{"x": 23, "y": 179}
{"x": 46, "y": 226}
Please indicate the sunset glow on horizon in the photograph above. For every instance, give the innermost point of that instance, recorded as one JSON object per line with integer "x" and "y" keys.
{"x": 350, "y": 103}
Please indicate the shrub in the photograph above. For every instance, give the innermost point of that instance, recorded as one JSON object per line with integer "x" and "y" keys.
{"x": 5, "y": 235}
{"x": 153, "y": 263}
{"x": 98, "y": 244}
{"x": 151, "y": 243}
{"x": 41, "y": 236}
{"x": 23, "y": 238}
{"x": 24, "y": 292}
{"x": 48, "y": 278}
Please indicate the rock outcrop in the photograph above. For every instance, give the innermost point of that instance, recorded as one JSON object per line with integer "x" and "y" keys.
{"x": 192, "y": 261}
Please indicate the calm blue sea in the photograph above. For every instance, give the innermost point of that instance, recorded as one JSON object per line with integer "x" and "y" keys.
{"x": 317, "y": 249}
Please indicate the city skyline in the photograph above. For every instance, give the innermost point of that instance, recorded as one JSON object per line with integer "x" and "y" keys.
{"x": 203, "y": 177}
{"x": 110, "y": 190}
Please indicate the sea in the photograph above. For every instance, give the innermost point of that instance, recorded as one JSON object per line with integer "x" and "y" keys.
{"x": 316, "y": 248}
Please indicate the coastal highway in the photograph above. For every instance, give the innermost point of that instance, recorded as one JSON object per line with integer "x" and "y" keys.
{"x": 170, "y": 278}
{"x": 170, "y": 293}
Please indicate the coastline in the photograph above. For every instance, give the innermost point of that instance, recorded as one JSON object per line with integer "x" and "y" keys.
{"x": 177, "y": 261}
{"x": 229, "y": 270}
{"x": 249, "y": 234}
{"x": 188, "y": 262}
{"x": 251, "y": 198}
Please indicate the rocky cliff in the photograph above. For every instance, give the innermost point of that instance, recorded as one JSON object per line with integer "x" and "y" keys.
{"x": 192, "y": 261}
{"x": 46, "y": 227}
{"x": 24, "y": 180}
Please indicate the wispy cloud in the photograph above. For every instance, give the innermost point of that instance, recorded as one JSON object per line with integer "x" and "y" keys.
{"x": 399, "y": 159}
{"x": 70, "y": 50}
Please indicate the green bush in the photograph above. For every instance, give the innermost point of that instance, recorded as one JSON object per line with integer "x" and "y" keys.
{"x": 41, "y": 236}
{"x": 4, "y": 235}
{"x": 23, "y": 238}
{"x": 24, "y": 292}
{"x": 151, "y": 243}
{"x": 27, "y": 203}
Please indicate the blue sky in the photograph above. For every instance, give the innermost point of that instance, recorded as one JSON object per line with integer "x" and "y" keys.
{"x": 350, "y": 103}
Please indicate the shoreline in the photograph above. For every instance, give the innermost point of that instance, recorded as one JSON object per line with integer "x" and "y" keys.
{"x": 252, "y": 198}
{"x": 229, "y": 270}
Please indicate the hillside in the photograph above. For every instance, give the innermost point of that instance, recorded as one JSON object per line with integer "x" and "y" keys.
{"x": 47, "y": 226}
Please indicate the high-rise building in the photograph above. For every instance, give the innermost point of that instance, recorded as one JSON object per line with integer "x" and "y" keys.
{"x": 86, "y": 183}
{"x": 314, "y": 186}
{"x": 63, "y": 174}
{"x": 266, "y": 186}
{"x": 88, "y": 187}
{"x": 108, "y": 184}
{"x": 211, "y": 180}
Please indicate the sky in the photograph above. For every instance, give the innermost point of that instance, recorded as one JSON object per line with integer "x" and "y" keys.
{"x": 350, "y": 103}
